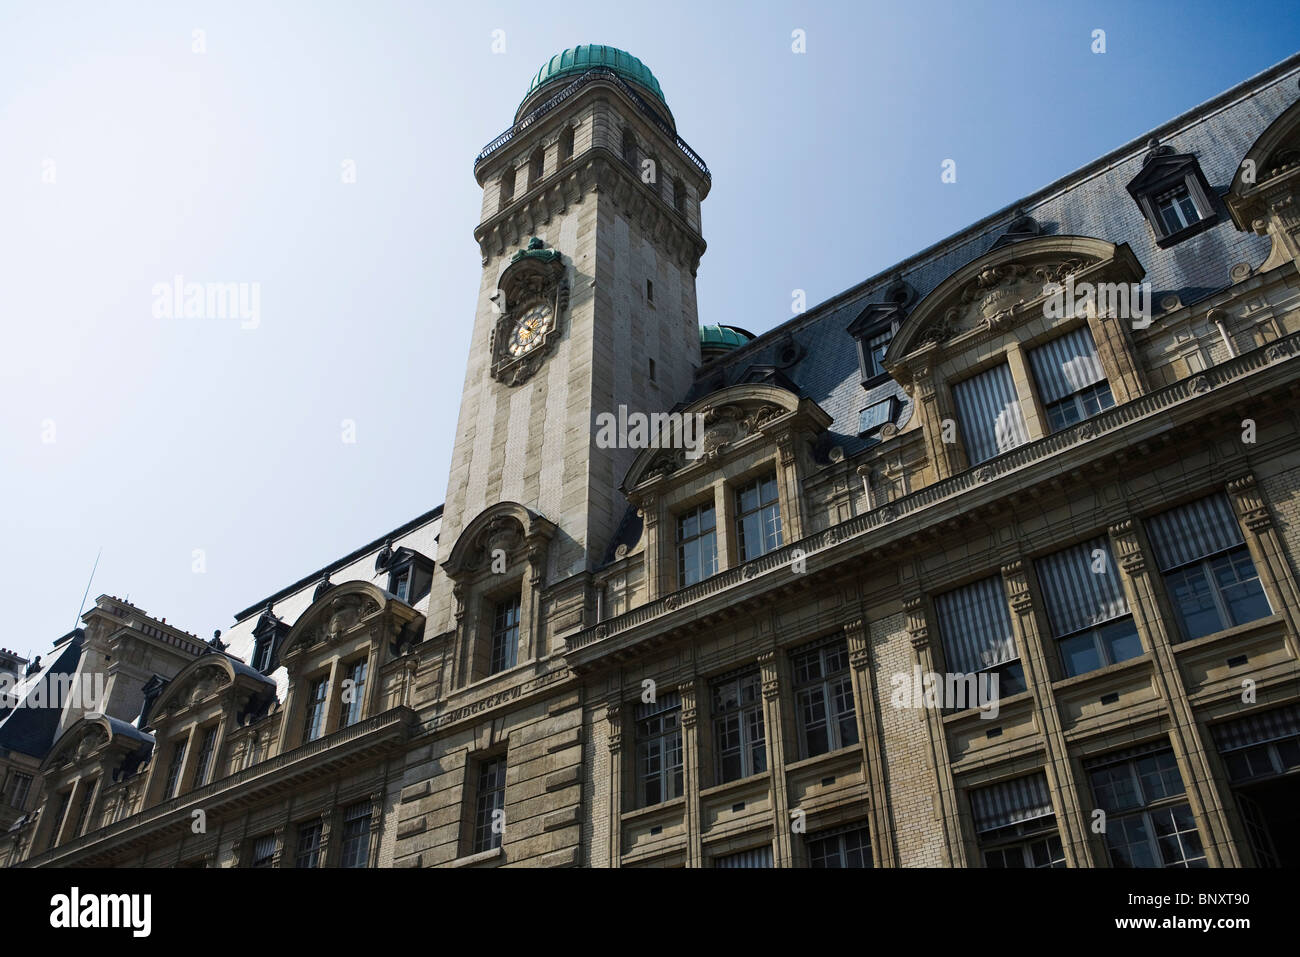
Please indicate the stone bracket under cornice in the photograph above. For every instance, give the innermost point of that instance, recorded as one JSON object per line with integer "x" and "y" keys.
{"x": 596, "y": 171}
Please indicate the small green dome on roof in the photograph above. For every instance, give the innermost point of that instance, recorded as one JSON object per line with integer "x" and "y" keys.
{"x": 586, "y": 56}
{"x": 715, "y": 340}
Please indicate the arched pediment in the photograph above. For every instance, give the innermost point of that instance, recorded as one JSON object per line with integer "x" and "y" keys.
{"x": 1272, "y": 159}
{"x": 337, "y": 612}
{"x": 1011, "y": 282}
{"x": 726, "y": 418}
{"x": 201, "y": 679}
{"x": 90, "y": 736}
{"x": 508, "y": 526}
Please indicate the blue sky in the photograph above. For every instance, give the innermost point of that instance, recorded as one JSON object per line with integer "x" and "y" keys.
{"x": 157, "y": 437}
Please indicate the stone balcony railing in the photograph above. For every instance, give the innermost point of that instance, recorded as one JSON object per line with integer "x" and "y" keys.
{"x": 1053, "y": 446}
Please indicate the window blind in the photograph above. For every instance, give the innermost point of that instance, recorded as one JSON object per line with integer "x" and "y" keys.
{"x": 758, "y": 857}
{"x": 1066, "y": 365}
{"x": 976, "y": 627}
{"x": 1010, "y": 802}
{"x": 989, "y": 411}
{"x": 1193, "y": 531}
{"x": 1077, "y": 597}
{"x": 1259, "y": 728}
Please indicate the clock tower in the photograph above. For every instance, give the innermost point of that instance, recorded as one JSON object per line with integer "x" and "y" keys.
{"x": 590, "y": 240}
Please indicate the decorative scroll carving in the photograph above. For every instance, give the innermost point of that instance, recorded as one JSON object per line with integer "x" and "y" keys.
{"x": 1249, "y": 502}
{"x": 917, "y": 626}
{"x": 1013, "y": 573}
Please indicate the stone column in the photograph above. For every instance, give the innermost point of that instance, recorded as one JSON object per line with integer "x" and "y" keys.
{"x": 945, "y": 800}
{"x": 655, "y": 552}
{"x": 1150, "y": 613}
{"x": 774, "y": 731}
{"x": 370, "y": 694}
{"x": 333, "y": 699}
{"x": 614, "y": 719}
{"x": 882, "y": 832}
{"x": 935, "y": 405}
{"x": 1030, "y": 410}
{"x": 692, "y": 780}
{"x": 1267, "y": 552}
{"x": 190, "y": 766}
{"x": 69, "y": 822}
{"x": 1071, "y": 823}
{"x": 790, "y": 490}
{"x": 723, "y": 510}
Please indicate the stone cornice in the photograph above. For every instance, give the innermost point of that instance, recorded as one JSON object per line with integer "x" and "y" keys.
{"x": 596, "y": 171}
{"x": 1146, "y": 419}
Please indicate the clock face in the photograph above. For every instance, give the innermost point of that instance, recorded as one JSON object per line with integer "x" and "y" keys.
{"x": 529, "y": 328}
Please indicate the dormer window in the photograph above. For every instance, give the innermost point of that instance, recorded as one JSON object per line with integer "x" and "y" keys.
{"x": 877, "y": 415}
{"x": 1174, "y": 195}
{"x": 410, "y": 574}
{"x": 873, "y": 330}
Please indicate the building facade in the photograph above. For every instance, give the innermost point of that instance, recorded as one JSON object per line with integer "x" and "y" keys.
{"x": 989, "y": 561}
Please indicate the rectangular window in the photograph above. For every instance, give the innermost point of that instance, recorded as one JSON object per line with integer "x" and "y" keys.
{"x": 264, "y": 851}
{"x": 738, "y": 734}
{"x": 1260, "y": 745}
{"x": 843, "y": 847}
{"x": 758, "y": 857}
{"x": 697, "y": 545}
{"x": 1015, "y": 824}
{"x": 314, "y": 725}
{"x": 206, "y": 751}
{"x": 356, "y": 835}
{"x": 649, "y": 291}
{"x": 1177, "y": 210}
{"x": 1147, "y": 826}
{"x": 490, "y": 805}
{"x": 1071, "y": 383}
{"x": 87, "y": 799}
{"x": 824, "y": 698}
{"x": 308, "y": 853}
{"x": 977, "y": 636}
{"x": 659, "y": 750}
{"x": 874, "y": 349}
{"x": 1090, "y": 617}
{"x": 758, "y": 518}
{"x": 875, "y": 416}
{"x": 355, "y": 688}
{"x": 402, "y": 585}
{"x": 989, "y": 410}
{"x": 505, "y": 635}
{"x": 174, "y": 770}
{"x": 17, "y": 788}
{"x": 1208, "y": 570}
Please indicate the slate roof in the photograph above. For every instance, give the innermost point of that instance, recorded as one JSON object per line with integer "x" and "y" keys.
{"x": 31, "y": 730}
{"x": 1092, "y": 202}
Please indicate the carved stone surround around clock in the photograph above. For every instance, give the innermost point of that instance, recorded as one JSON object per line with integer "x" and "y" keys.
{"x": 535, "y": 277}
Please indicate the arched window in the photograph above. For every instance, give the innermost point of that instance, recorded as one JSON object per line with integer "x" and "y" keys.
{"x": 536, "y": 167}
{"x": 507, "y": 190}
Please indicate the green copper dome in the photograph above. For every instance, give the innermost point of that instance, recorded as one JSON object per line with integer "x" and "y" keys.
{"x": 715, "y": 340}
{"x": 584, "y": 57}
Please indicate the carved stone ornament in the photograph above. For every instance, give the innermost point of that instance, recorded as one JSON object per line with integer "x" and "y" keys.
{"x": 346, "y": 611}
{"x": 532, "y": 296}
{"x": 989, "y": 301}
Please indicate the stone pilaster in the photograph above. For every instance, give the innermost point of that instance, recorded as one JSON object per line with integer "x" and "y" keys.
{"x": 692, "y": 779}
{"x": 945, "y": 800}
{"x": 1150, "y": 613}
{"x": 1035, "y": 647}
{"x": 774, "y": 727}
{"x": 883, "y": 847}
